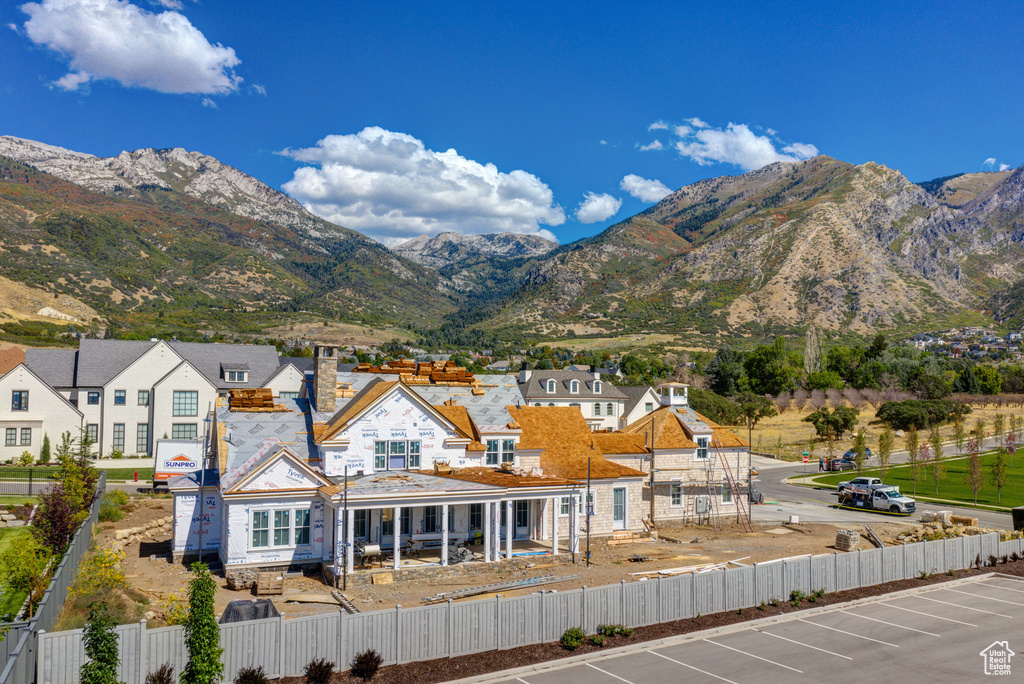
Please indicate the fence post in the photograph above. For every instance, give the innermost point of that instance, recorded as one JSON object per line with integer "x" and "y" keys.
{"x": 341, "y": 660}
{"x": 693, "y": 594}
{"x": 963, "y": 545}
{"x": 904, "y": 560}
{"x": 543, "y": 616}
{"x": 659, "y": 600}
{"x": 280, "y": 646}
{"x": 860, "y": 569}
{"x": 398, "y": 630}
{"x": 451, "y": 628}
{"x": 945, "y": 560}
{"x": 39, "y": 656}
{"x": 497, "y": 622}
{"x": 141, "y": 651}
{"x": 810, "y": 575}
{"x": 30, "y": 475}
{"x": 622, "y": 601}
{"x": 583, "y": 612}
{"x": 835, "y": 567}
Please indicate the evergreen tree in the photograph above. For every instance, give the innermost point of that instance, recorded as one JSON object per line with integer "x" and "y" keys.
{"x": 100, "y": 647}
{"x": 202, "y": 635}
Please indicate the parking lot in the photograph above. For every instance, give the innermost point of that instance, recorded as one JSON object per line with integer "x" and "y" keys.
{"x": 933, "y": 636}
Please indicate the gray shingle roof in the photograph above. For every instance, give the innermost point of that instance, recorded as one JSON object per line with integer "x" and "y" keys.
{"x": 55, "y": 367}
{"x": 100, "y": 360}
{"x": 262, "y": 360}
{"x": 634, "y": 395}
{"x": 536, "y": 386}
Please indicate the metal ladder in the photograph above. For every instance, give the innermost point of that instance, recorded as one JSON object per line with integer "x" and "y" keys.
{"x": 742, "y": 507}
{"x": 713, "y": 492}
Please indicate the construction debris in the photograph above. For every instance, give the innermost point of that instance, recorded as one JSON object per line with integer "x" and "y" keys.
{"x": 628, "y": 538}
{"x": 638, "y": 558}
{"x": 499, "y": 586}
{"x": 344, "y": 602}
{"x": 255, "y": 400}
{"x": 930, "y": 531}
{"x": 695, "y": 569}
{"x": 847, "y": 540}
{"x": 873, "y": 538}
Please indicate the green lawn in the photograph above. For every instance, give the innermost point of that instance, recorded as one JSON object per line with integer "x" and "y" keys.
{"x": 40, "y": 473}
{"x": 127, "y": 473}
{"x": 953, "y": 485}
{"x": 6, "y": 501}
{"x": 10, "y": 602}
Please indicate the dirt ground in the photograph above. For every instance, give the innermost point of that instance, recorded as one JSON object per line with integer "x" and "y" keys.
{"x": 147, "y": 569}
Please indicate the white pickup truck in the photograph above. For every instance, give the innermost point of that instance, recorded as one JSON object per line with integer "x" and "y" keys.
{"x": 861, "y": 482}
{"x": 878, "y": 497}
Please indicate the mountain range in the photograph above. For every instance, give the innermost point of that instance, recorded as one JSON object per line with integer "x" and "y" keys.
{"x": 156, "y": 235}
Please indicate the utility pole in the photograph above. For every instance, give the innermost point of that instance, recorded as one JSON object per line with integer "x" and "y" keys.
{"x": 588, "y": 511}
{"x": 344, "y": 499}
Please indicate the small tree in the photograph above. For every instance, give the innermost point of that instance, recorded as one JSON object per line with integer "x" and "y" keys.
{"x": 55, "y": 521}
{"x": 974, "y": 477}
{"x": 885, "y": 442}
{"x": 938, "y": 468}
{"x": 959, "y": 432}
{"x": 23, "y": 567}
{"x": 44, "y": 450}
{"x": 999, "y": 428}
{"x": 753, "y": 408}
{"x": 860, "y": 445}
{"x": 100, "y": 647}
{"x": 1011, "y": 446}
{"x": 202, "y": 635}
{"x": 913, "y": 455}
{"x": 1014, "y": 434}
{"x": 999, "y": 474}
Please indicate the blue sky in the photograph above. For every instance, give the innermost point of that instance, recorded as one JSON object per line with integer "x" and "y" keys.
{"x": 401, "y": 119}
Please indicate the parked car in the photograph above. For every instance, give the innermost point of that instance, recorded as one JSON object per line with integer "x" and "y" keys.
{"x": 851, "y": 454}
{"x": 841, "y": 464}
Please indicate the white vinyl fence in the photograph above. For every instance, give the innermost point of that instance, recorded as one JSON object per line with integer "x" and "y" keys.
{"x": 283, "y": 647}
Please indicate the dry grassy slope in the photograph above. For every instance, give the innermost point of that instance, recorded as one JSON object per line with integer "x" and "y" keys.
{"x": 958, "y": 191}
{"x": 783, "y": 246}
{"x": 21, "y": 302}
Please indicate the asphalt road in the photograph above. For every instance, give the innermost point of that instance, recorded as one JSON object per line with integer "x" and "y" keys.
{"x": 934, "y": 635}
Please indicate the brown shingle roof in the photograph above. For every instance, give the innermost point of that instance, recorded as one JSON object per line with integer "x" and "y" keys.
{"x": 620, "y": 443}
{"x": 667, "y": 432}
{"x": 566, "y": 443}
{"x": 490, "y": 476}
{"x": 459, "y": 417}
{"x": 371, "y": 393}
{"x": 10, "y": 358}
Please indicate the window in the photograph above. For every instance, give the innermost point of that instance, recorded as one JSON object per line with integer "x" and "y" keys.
{"x": 563, "y": 506}
{"x": 574, "y": 386}
{"x": 11, "y": 437}
{"x": 538, "y": 404}
{"x": 92, "y": 398}
{"x": 508, "y": 451}
{"x": 702, "y": 448}
{"x": 476, "y": 517}
{"x": 648, "y": 407}
{"x": 119, "y": 398}
{"x": 726, "y": 492}
{"x": 302, "y": 527}
{"x": 396, "y": 455}
{"x": 387, "y": 522}
{"x": 597, "y": 387}
{"x": 237, "y": 376}
{"x": 551, "y": 386}
{"x": 143, "y": 397}
{"x": 289, "y": 395}
{"x": 359, "y": 524}
{"x": 430, "y": 517}
{"x": 380, "y": 455}
{"x": 142, "y": 438}
{"x": 611, "y": 409}
{"x": 597, "y": 409}
{"x": 26, "y": 436}
{"x": 184, "y": 431}
{"x": 676, "y": 495}
{"x": 406, "y": 527}
{"x": 260, "y": 529}
{"x": 118, "y": 441}
{"x": 92, "y": 432}
{"x": 492, "y": 452}
{"x": 282, "y": 528}
{"x": 414, "y": 454}
{"x": 185, "y": 403}
{"x": 19, "y": 400}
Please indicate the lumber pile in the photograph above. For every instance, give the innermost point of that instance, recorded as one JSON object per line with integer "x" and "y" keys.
{"x": 424, "y": 373}
{"x": 269, "y": 583}
{"x": 625, "y": 537}
{"x": 847, "y": 540}
{"x": 695, "y": 569}
{"x": 261, "y": 399}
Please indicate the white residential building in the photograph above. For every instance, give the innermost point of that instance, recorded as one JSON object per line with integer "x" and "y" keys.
{"x": 600, "y": 402}
{"x": 34, "y": 409}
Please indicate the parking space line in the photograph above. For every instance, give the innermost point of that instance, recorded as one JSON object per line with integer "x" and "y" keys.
{"x": 955, "y": 605}
{"x": 697, "y": 669}
{"x": 859, "y": 636}
{"x": 989, "y": 583}
{"x": 891, "y": 624}
{"x": 937, "y": 617}
{"x": 753, "y": 656}
{"x": 520, "y": 679}
{"x": 609, "y": 673}
{"x": 987, "y": 598}
{"x": 800, "y": 643}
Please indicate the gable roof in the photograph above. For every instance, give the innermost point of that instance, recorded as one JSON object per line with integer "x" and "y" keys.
{"x": 674, "y": 427}
{"x": 10, "y": 358}
{"x": 42, "y": 382}
{"x": 536, "y": 386}
{"x": 635, "y": 394}
{"x": 459, "y": 417}
{"x": 359, "y": 403}
{"x": 55, "y": 367}
{"x": 236, "y": 481}
{"x": 566, "y": 442}
{"x": 242, "y": 434}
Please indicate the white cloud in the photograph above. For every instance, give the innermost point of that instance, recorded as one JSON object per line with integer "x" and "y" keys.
{"x": 169, "y": 4}
{"x": 644, "y": 189}
{"x": 603, "y": 142}
{"x": 658, "y": 125}
{"x": 114, "y": 39}
{"x": 392, "y": 187}
{"x": 697, "y": 123}
{"x": 1003, "y": 167}
{"x": 207, "y": 102}
{"x": 14, "y": 27}
{"x": 596, "y": 208}
{"x": 990, "y": 160}
{"x": 656, "y": 145}
{"x": 258, "y": 89}
{"x": 736, "y": 144}
{"x": 770, "y": 131}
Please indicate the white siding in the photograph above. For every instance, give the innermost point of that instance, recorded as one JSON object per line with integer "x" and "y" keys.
{"x": 47, "y": 413}
{"x": 187, "y": 529}
{"x": 239, "y": 519}
{"x": 186, "y": 378}
{"x": 287, "y": 380}
{"x": 142, "y": 374}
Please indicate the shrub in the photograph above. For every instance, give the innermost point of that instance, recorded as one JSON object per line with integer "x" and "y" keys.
{"x": 319, "y": 671}
{"x": 920, "y": 413}
{"x": 163, "y": 675}
{"x": 572, "y": 638}
{"x": 100, "y": 643}
{"x": 202, "y": 634}
{"x": 597, "y": 640}
{"x": 23, "y": 566}
{"x": 110, "y": 512}
{"x": 118, "y": 455}
{"x": 44, "y": 451}
{"x": 366, "y": 664}
{"x": 117, "y": 497}
{"x": 251, "y": 675}
{"x": 26, "y": 458}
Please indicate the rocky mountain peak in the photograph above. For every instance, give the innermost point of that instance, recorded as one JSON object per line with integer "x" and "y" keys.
{"x": 451, "y": 249}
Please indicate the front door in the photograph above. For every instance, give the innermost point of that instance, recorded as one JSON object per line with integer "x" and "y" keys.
{"x": 619, "y": 508}
{"x": 522, "y": 520}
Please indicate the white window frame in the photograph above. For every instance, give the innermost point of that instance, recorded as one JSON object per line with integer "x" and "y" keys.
{"x": 610, "y": 409}
{"x": 292, "y": 528}
{"x": 26, "y": 436}
{"x": 649, "y": 407}
{"x": 597, "y": 387}
{"x": 236, "y": 376}
{"x": 574, "y": 386}
{"x": 675, "y": 495}
{"x": 382, "y": 448}
{"x": 726, "y": 492}
{"x": 597, "y": 408}
{"x": 181, "y": 403}
{"x": 563, "y": 506}
{"x": 702, "y": 448}
{"x": 550, "y": 386}
{"x": 508, "y": 451}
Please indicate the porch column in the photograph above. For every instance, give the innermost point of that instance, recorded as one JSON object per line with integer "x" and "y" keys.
{"x": 574, "y": 525}
{"x": 485, "y": 522}
{"x": 397, "y": 529}
{"x": 510, "y": 527}
{"x": 496, "y": 521}
{"x": 350, "y": 526}
{"x": 556, "y": 509}
{"x": 444, "y": 534}
{"x": 338, "y": 548}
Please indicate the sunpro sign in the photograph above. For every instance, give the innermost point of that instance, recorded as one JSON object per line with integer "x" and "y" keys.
{"x": 176, "y": 457}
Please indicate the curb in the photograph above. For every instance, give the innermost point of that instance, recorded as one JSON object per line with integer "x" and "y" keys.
{"x": 562, "y": 663}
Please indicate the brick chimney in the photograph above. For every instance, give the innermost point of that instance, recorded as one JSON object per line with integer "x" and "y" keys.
{"x": 325, "y": 377}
